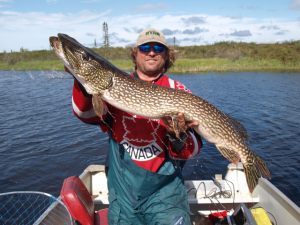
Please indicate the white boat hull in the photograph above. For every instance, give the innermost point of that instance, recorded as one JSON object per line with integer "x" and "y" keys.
{"x": 204, "y": 198}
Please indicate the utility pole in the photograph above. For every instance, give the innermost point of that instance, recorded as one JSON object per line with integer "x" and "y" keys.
{"x": 105, "y": 35}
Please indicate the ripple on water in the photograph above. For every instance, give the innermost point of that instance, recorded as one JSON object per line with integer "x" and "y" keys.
{"x": 41, "y": 142}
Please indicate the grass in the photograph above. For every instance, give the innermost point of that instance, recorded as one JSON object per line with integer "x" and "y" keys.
{"x": 181, "y": 65}
{"x": 220, "y": 57}
{"x": 224, "y": 64}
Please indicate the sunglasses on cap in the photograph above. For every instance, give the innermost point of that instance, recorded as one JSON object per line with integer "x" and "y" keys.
{"x": 157, "y": 48}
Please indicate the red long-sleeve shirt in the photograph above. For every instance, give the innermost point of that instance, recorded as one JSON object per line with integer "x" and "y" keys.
{"x": 144, "y": 139}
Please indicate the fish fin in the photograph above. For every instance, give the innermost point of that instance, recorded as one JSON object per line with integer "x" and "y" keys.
{"x": 261, "y": 165}
{"x": 98, "y": 105}
{"x": 251, "y": 176}
{"x": 232, "y": 156}
{"x": 239, "y": 127}
{"x": 174, "y": 125}
{"x": 254, "y": 169}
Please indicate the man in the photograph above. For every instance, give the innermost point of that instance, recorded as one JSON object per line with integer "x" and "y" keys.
{"x": 145, "y": 156}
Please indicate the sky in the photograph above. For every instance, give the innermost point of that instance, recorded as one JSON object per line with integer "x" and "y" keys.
{"x": 28, "y": 24}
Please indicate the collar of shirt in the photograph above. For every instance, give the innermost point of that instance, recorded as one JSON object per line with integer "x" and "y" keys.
{"x": 136, "y": 76}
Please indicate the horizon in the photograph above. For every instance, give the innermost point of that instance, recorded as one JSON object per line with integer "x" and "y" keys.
{"x": 171, "y": 45}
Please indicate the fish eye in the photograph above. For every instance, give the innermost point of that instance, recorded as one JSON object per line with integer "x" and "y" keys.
{"x": 85, "y": 57}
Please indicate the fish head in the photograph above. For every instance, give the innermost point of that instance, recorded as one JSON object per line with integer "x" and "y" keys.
{"x": 91, "y": 70}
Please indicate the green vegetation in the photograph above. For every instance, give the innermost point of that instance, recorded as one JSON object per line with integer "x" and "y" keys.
{"x": 223, "y": 56}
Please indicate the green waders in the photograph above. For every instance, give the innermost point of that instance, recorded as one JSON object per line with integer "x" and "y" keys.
{"x": 141, "y": 197}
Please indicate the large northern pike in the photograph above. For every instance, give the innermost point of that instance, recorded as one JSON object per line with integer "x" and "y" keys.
{"x": 100, "y": 78}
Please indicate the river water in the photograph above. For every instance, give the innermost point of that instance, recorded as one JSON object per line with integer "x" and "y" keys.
{"x": 42, "y": 142}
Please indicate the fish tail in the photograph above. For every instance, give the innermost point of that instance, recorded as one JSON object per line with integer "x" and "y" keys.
{"x": 254, "y": 169}
{"x": 262, "y": 167}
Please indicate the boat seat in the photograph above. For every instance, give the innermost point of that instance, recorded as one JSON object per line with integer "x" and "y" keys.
{"x": 80, "y": 204}
{"x": 102, "y": 217}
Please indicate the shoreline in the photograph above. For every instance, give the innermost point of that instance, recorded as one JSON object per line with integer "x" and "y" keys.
{"x": 181, "y": 66}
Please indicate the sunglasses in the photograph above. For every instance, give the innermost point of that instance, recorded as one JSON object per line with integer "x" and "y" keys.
{"x": 157, "y": 48}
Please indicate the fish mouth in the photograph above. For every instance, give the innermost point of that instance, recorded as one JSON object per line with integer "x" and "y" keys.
{"x": 57, "y": 44}
{"x": 54, "y": 42}
{"x": 66, "y": 48}
{"x": 70, "y": 52}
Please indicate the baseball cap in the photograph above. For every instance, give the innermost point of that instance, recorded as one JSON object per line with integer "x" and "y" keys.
{"x": 151, "y": 35}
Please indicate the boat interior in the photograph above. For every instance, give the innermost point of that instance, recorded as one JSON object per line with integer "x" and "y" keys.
{"x": 218, "y": 201}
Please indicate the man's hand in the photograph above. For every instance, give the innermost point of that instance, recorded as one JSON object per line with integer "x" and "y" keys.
{"x": 176, "y": 125}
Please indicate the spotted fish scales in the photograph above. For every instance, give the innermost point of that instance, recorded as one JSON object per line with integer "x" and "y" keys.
{"x": 102, "y": 79}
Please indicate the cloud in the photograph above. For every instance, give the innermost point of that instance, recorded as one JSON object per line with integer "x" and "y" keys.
{"x": 91, "y": 34}
{"x": 115, "y": 39}
{"x": 269, "y": 27}
{"x": 196, "y": 30}
{"x": 193, "y": 41}
{"x": 31, "y": 30}
{"x": 194, "y": 20}
{"x": 17, "y": 20}
{"x": 241, "y": 33}
{"x": 168, "y": 32}
{"x": 150, "y": 6}
{"x": 5, "y": 3}
{"x": 295, "y": 5}
{"x": 282, "y": 32}
{"x": 133, "y": 29}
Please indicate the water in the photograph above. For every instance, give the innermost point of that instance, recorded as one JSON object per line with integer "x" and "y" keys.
{"x": 42, "y": 142}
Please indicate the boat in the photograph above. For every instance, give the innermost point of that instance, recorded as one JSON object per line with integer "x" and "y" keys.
{"x": 227, "y": 200}
{"x": 208, "y": 199}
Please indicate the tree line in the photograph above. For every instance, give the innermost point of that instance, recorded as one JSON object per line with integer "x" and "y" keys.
{"x": 287, "y": 52}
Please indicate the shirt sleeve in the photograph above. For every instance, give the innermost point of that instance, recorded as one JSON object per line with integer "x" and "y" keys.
{"x": 83, "y": 107}
{"x": 191, "y": 147}
{"x": 192, "y": 143}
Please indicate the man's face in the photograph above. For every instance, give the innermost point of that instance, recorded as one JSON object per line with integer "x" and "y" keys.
{"x": 151, "y": 61}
